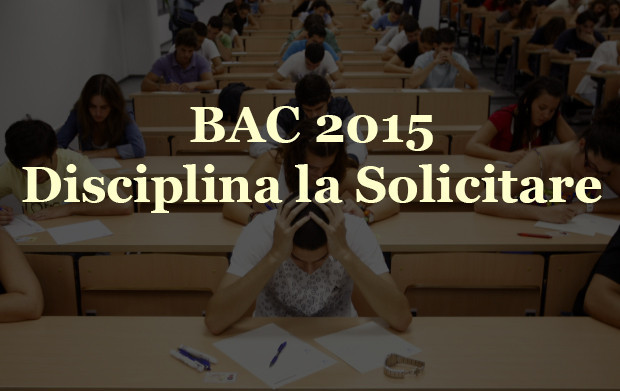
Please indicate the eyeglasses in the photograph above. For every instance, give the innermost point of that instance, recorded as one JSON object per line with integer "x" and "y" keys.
{"x": 588, "y": 164}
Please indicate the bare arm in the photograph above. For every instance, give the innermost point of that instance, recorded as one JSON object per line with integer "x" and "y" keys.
{"x": 152, "y": 82}
{"x": 395, "y": 65}
{"x": 563, "y": 131}
{"x": 338, "y": 80}
{"x": 225, "y": 53}
{"x": 23, "y": 299}
{"x": 419, "y": 75}
{"x": 557, "y": 55}
{"x": 479, "y": 146}
{"x": 468, "y": 77}
{"x": 388, "y": 54}
{"x": 278, "y": 82}
{"x": 218, "y": 67}
{"x": 380, "y": 210}
{"x": 602, "y": 300}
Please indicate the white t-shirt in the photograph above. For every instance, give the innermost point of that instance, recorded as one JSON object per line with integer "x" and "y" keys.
{"x": 605, "y": 54}
{"x": 295, "y": 67}
{"x": 399, "y": 41}
{"x": 442, "y": 75}
{"x": 386, "y": 39}
{"x": 293, "y": 292}
{"x": 562, "y": 6}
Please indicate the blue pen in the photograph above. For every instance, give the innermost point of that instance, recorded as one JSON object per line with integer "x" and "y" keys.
{"x": 269, "y": 206}
{"x": 275, "y": 358}
{"x": 199, "y": 360}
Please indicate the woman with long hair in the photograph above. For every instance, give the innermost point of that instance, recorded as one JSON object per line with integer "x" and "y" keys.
{"x": 323, "y": 159}
{"x": 513, "y": 130}
{"x": 102, "y": 123}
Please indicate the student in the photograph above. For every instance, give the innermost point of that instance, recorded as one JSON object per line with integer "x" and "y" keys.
{"x": 206, "y": 46}
{"x": 544, "y": 38}
{"x": 311, "y": 21}
{"x": 599, "y": 7}
{"x": 32, "y": 143}
{"x": 495, "y": 5}
{"x": 184, "y": 70}
{"x": 20, "y": 293}
{"x": 101, "y": 122}
{"x": 439, "y": 67}
{"x": 311, "y": 60}
{"x": 535, "y": 120}
{"x": 382, "y": 8}
{"x": 323, "y": 159}
{"x": 602, "y": 297}
{"x": 316, "y": 34}
{"x": 313, "y": 95}
{"x": 409, "y": 32}
{"x": 525, "y": 19}
{"x": 580, "y": 41}
{"x": 321, "y": 8}
{"x": 403, "y": 61}
{"x": 594, "y": 154}
{"x": 182, "y": 15}
{"x": 611, "y": 19}
{"x": 391, "y": 19}
{"x": 229, "y": 37}
{"x": 303, "y": 260}
{"x": 605, "y": 59}
{"x": 243, "y": 18}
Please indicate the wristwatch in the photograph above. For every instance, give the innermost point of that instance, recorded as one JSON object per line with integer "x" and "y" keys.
{"x": 393, "y": 359}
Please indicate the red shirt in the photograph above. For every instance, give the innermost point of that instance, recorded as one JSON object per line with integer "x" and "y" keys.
{"x": 488, "y": 4}
{"x": 503, "y": 119}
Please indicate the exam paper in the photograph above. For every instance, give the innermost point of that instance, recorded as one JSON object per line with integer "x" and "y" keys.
{"x": 255, "y": 349}
{"x": 585, "y": 224}
{"x": 345, "y": 90}
{"x": 364, "y": 347}
{"x": 22, "y": 225}
{"x": 78, "y": 232}
{"x": 105, "y": 163}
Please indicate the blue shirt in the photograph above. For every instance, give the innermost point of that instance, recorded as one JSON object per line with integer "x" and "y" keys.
{"x": 384, "y": 22}
{"x": 132, "y": 143}
{"x": 168, "y": 68}
{"x": 299, "y": 46}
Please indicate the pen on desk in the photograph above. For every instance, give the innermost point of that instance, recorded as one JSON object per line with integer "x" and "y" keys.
{"x": 204, "y": 362}
{"x": 188, "y": 361}
{"x": 199, "y": 354}
{"x": 270, "y": 206}
{"x": 529, "y": 235}
{"x": 275, "y": 358}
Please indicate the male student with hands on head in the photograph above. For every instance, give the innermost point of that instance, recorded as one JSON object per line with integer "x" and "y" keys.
{"x": 303, "y": 260}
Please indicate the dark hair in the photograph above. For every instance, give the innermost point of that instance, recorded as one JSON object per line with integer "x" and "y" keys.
{"x": 428, "y": 35}
{"x": 608, "y": 21}
{"x": 309, "y": 236}
{"x": 526, "y": 11}
{"x": 603, "y": 138}
{"x": 409, "y": 23}
{"x": 317, "y": 30}
{"x": 115, "y": 123}
{"x": 315, "y": 52}
{"x": 397, "y": 9}
{"x": 552, "y": 29}
{"x": 29, "y": 139}
{"x": 313, "y": 19}
{"x": 594, "y": 3}
{"x": 294, "y": 153}
{"x": 215, "y": 22}
{"x": 230, "y": 9}
{"x": 312, "y": 89}
{"x": 318, "y": 4}
{"x": 445, "y": 35}
{"x": 186, "y": 37}
{"x": 523, "y": 131}
{"x": 227, "y": 22}
{"x": 609, "y": 113}
{"x": 244, "y": 6}
{"x": 587, "y": 15}
{"x": 200, "y": 28}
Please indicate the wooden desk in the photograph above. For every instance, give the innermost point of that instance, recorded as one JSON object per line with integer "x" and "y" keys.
{"x": 405, "y": 232}
{"x": 270, "y": 66}
{"x": 131, "y": 353}
{"x": 451, "y": 106}
{"x": 265, "y": 43}
{"x": 353, "y": 79}
{"x": 273, "y": 55}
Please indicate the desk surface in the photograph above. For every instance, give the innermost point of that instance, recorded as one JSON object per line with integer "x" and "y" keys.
{"x": 405, "y": 232}
{"x": 121, "y": 353}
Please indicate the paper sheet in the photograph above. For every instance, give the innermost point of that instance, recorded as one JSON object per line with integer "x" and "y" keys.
{"x": 447, "y": 90}
{"x": 78, "y": 232}
{"x": 255, "y": 349}
{"x": 414, "y": 90}
{"x": 574, "y": 226}
{"x": 292, "y": 92}
{"x": 22, "y": 225}
{"x": 345, "y": 90}
{"x": 105, "y": 163}
{"x": 364, "y": 347}
{"x": 601, "y": 225}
